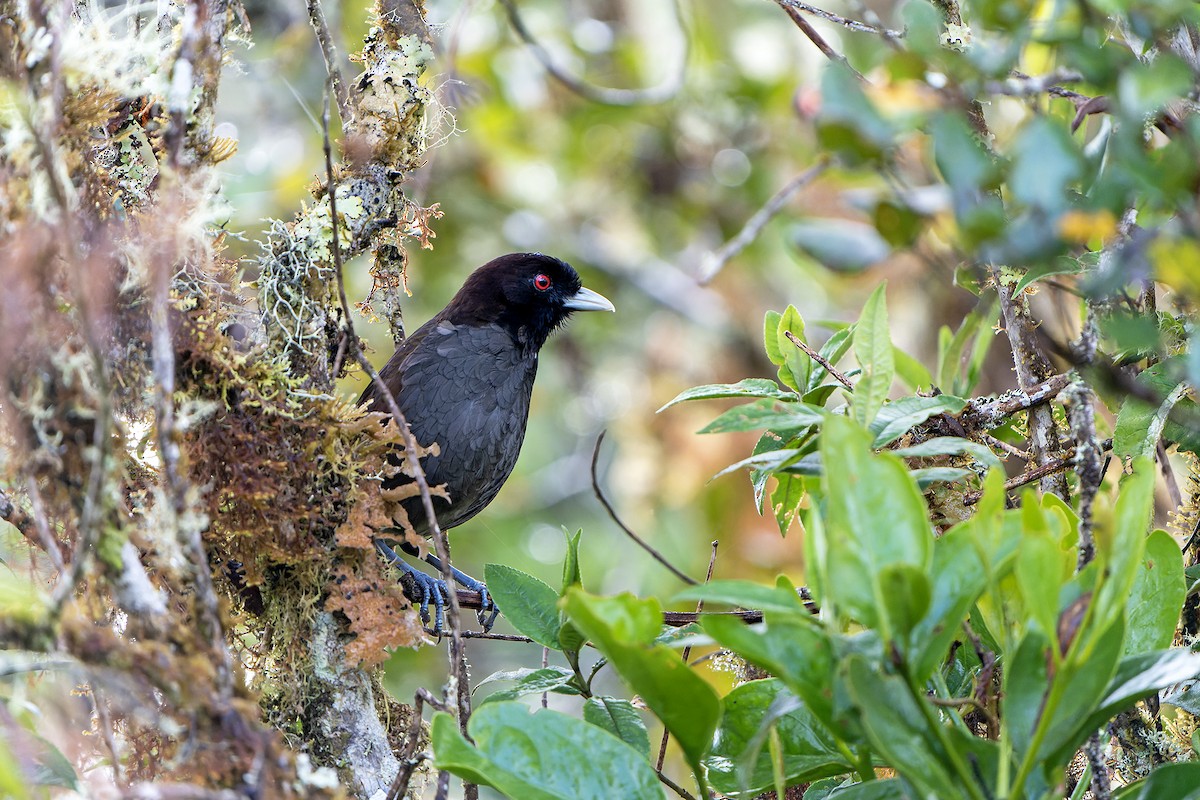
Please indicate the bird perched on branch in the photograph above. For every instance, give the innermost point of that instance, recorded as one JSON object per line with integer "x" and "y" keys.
{"x": 463, "y": 380}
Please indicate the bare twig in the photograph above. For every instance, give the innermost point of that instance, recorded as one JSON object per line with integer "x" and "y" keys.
{"x": 687, "y": 652}
{"x": 716, "y": 260}
{"x": 1000, "y": 444}
{"x": 828, "y": 16}
{"x": 1021, "y": 85}
{"x": 642, "y": 543}
{"x": 816, "y": 38}
{"x": 1032, "y": 367}
{"x": 1164, "y": 464}
{"x": 1052, "y": 467}
{"x": 820, "y": 359}
{"x": 316, "y": 16}
{"x": 675, "y": 787}
{"x": 597, "y": 94}
{"x": 991, "y": 412}
{"x": 409, "y": 758}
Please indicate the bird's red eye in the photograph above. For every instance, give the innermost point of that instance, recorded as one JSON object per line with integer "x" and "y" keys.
{"x": 541, "y": 281}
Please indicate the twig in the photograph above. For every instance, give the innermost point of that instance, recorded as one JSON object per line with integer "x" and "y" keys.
{"x": 1032, "y": 367}
{"x": 597, "y": 94}
{"x": 458, "y": 687}
{"x": 687, "y": 652}
{"x": 828, "y": 16}
{"x": 1022, "y": 85}
{"x": 316, "y": 16}
{"x": 820, "y": 359}
{"x": 104, "y": 722}
{"x": 659, "y": 557}
{"x": 716, "y": 260}
{"x": 1164, "y": 464}
{"x": 992, "y": 412}
{"x": 1012, "y": 450}
{"x": 816, "y": 38}
{"x": 1029, "y": 476}
{"x": 1081, "y": 413}
{"x": 675, "y": 787}
{"x": 961, "y": 702}
{"x": 676, "y": 619}
{"x": 409, "y": 759}
{"x": 45, "y": 537}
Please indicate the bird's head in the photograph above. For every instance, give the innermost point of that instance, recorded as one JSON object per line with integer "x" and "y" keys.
{"x": 529, "y": 294}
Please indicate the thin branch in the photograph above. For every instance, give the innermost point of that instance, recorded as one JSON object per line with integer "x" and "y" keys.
{"x": 597, "y": 94}
{"x": 1000, "y": 444}
{"x": 820, "y": 359}
{"x": 1019, "y": 84}
{"x": 687, "y": 652}
{"x": 458, "y": 687}
{"x": 716, "y": 260}
{"x": 642, "y": 543}
{"x": 816, "y": 38}
{"x": 851, "y": 24}
{"x": 675, "y": 787}
{"x": 1029, "y": 476}
{"x": 316, "y": 16}
{"x": 408, "y": 756}
{"x": 1164, "y": 464}
{"x": 991, "y": 412}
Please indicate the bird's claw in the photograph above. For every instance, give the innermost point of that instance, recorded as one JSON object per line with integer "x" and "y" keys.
{"x": 488, "y": 611}
{"x": 431, "y": 590}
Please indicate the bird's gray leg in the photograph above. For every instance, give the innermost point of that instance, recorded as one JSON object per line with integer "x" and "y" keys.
{"x": 487, "y": 609}
{"x": 430, "y": 588}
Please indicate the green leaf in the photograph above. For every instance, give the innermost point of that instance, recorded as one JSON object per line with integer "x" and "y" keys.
{"x": 951, "y": 446}
{"x": 795, "y": 365}
{"x": 571, "y": 574}
{"x": 1135, "y": 678}
{"x": 1166, "y": 782}
{"x": 750, "y": 387}
{"x": 908, "y": 593}
{"x": 785, "y": 500}
{"x": 797, "y": 461}
{"x": 910, "y": 371}
{"x": 1026, "y": 682}
{"x": 887, "y": 789}
{"x": 898, "y": 730}
{"x": 530, "y": 605}
{"x": 792, "y": 649}
{"x": 958, "y": 578}
{"x": 769, "y": 414}
{"x": 928, "y": 476}
{"x": 1146, "y": 88}
{"x": 542, "y": 756}
{"x": 839, "y": 244}
{"x": 876, "y": 517}
{"x": 741, "y": 766}
{"x": 1046, "y": 164}
{"x": 898, "y": 417}
{"x": 848, "y": 122}
{"x": 1039, "y": 569}
{"x": 746, "y": 594}
{"x": 1139, "y": 425}
{"x": 1063, "y": 265}
{"x": 623, "y": 628}
{"x": 873, "y": 348}
{"x": 1121, "y": 547}
{"x": 1157, "y": 596}
{"x": 45, "y": 765}
{"x": 531, "y": 681}
{"x": 774, "y": 348}
{"x": 621, "y": 719}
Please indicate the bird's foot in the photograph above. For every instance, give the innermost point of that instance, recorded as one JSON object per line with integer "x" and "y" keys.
{"x": 488, "y": 611}
{"x": 426, "y": 588}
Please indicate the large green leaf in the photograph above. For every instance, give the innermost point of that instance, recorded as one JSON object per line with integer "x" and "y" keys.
{"x": 624, "y": 628}
{"x": 618, "y": 716}
{"x": 795, "y": 650}
{"x": 1166, "y": 782}
{"x": 747, "y": 594}
{"x": 1157, "y": 596}
{"x": 896, "y": 418}
{"x": 840, "y": 244}
{"x": 531, "y": 681}
{"x": 765, "y": 414}
{"x": 750, "y": 387}
{"x": 530, "y": 605}
{"x": 873, "y": 348}
{"x": 740, "y": 763}
{"x": 876, "y": 517}
{"x": 1120, "y": 547}
{"x": 958, "y": 578}
{"x": 899, "y": 731}
{"x": 542, "y": 756}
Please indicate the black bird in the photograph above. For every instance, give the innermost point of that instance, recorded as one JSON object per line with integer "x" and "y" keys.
{"x": 464, "y": 379}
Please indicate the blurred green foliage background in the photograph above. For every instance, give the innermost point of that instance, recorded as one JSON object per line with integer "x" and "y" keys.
{"x": 635, "y": 197}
